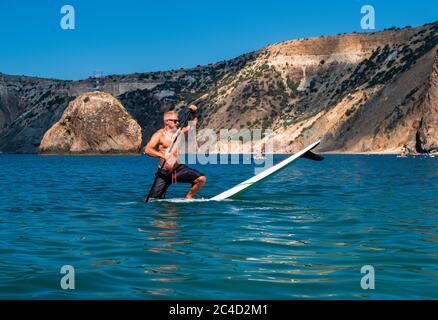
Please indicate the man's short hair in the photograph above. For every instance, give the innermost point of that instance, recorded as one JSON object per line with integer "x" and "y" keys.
{"x": 167, "y": 114}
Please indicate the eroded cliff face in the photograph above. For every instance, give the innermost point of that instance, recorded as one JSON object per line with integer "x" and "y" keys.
{"x": 364, "y": 95}
{"x": 94, "y": 122}
{"x": 367, "y": 92}
{"x": 378, "y": 118}
{"x": 427, "y": 134}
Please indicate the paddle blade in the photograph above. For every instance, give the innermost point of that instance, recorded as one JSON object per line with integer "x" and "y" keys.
{"x": 312, "y": 156}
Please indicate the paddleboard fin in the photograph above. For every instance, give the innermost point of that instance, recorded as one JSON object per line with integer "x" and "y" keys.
{"x": 312, "y": 156}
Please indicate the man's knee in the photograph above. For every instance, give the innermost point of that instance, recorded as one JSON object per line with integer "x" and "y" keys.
{"x": 201, "y": 179}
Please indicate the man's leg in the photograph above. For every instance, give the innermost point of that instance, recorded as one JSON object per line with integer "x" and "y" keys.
{"x": 196, "y": 186}
{"x": 197, "y": 179}
{"x": 160, "y": 188}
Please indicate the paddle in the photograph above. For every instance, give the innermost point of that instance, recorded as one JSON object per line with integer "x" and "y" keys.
{"x": 184, "y": 123}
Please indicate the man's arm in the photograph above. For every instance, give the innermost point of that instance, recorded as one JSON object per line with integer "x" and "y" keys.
{"x": 193, "y": 119}
{"x": 151, "y": 148}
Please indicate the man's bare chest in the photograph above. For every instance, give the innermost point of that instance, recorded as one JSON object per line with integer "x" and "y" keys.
{"x": 165, "y": 141}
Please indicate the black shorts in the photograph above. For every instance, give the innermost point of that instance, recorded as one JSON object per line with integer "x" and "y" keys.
{"x": 165, "y": 178}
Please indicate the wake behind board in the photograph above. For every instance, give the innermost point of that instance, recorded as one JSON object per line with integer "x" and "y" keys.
{"x": 257, "y": 178}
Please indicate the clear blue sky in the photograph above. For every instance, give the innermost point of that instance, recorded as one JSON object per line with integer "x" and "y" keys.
{"x": 129, "y": 36}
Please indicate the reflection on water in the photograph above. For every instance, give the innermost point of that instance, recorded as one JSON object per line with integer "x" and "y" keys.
{"x": 303, "y": 234}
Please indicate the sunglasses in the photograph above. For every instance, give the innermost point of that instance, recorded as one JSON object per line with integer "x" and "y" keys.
{"x": 174, "y": 120}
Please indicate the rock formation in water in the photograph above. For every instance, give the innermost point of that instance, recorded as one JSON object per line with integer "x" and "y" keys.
{"x": 95, "y": 122}
{"x": 359, "y": 92}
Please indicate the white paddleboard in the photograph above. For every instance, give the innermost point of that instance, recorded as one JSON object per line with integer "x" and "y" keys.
{"x": 247, "y": 183}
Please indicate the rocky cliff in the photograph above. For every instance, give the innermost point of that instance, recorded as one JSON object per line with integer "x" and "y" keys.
{"x": 427, "y": 133}
{"x": 94, "y": 122}
{"x": 360, "y": 92}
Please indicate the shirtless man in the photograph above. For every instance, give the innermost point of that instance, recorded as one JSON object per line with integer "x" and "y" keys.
{"x": 173, "y": 171}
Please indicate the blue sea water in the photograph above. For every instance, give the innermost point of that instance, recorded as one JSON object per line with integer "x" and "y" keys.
{"x": 305, "y": 233}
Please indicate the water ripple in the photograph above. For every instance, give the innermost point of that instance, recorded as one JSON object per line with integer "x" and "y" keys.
{"x": 304, "y": 234}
